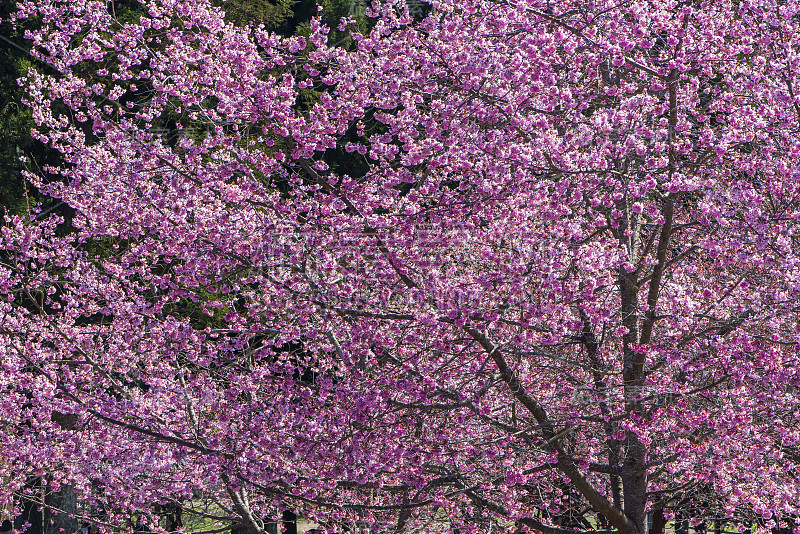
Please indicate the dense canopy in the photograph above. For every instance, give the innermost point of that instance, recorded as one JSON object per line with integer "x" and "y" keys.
{"x": 525, "y": 263}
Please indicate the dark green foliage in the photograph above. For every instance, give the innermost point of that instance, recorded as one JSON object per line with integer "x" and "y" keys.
{"x": 333, "y": 11}
{"x": 272, "y": 14}
{"x": 19, "y": 151}
{"x": 126, "y": 11}
{"x": 16, "y": 142}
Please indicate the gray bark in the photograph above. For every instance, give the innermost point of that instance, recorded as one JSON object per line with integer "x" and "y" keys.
{"x": 63, "y": 521}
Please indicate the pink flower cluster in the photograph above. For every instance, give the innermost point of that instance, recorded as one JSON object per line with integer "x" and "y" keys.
{"x": 520, "y": 261}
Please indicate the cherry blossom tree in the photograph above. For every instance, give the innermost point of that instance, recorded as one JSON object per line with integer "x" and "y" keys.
{"x": 522, "y": 264}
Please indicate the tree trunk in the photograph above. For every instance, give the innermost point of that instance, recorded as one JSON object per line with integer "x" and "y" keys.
{"x": 31, "y": 513}
{"x": 61, "y": 507}
{"x": 289, "y": 520}
{"x": 63, "y": 521}
{"x": 659, "y": 522}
